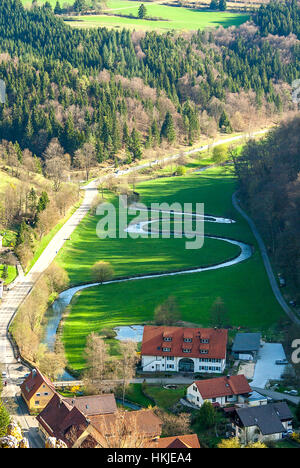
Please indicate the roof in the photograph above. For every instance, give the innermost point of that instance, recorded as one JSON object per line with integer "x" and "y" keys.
{"x": 153, "y": 342}
{"x": 223, "y": 386}
{"x": 33, "y": 383}
{"x": 183, "y": 441}
{"x": 67, "y": 418}
{"x": 246, "y": 342}
{"x": 268, "y": 418}
{"x": 145, "y": 422}
{"x": 94, "y": 404}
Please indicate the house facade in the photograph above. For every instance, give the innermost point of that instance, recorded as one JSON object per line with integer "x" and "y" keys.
{"x": 220, "y": 391}
{"x": 37, "y": 390}
{"x": 179, "y": 349}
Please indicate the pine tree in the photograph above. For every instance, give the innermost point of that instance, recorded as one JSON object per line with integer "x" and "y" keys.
{"x": 142, "y": 11}
{"x": 167, "y": 129}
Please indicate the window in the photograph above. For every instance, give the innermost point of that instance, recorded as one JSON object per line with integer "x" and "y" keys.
{"x": 38, "y": 394}
{"x": 167, "y": 338}
{"x": 46, "y": 393}
{"x": 204, "y": 340}
{"x": 36, "y": 403}
{"x": 204, "y": 351}
{"x": 187, "y": 340}
{"x": 167, "y": 349}
{"x": 170, "y": 358}
{"x": 170, "y": 366}
{"x": 186, "y": 350}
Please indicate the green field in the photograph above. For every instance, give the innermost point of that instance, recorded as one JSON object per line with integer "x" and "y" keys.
{"x": 169, "y": 17}
{"x": 12, "y": 273}
{"x": 244, "y": 287}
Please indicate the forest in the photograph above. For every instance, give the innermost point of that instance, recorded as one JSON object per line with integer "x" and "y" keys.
{"x": 268, "y": 173}
{"x": 76, "y": 98}
{"x": 123, "y": 91}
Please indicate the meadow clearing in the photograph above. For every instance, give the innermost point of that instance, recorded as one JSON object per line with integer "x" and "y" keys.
{"x": 244, "y": 287}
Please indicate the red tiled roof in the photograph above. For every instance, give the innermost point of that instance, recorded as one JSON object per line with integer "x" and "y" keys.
{"x": 222, "y": 386}
{"x": 183, "y": 441}
{"x": 66, "y": 418}
{"x": 153, "y": 342}
{"x": 33, "y": 382}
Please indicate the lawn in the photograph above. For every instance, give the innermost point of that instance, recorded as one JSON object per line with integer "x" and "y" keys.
{"x": 244, "y": 287}
{"x": 12, "y": 273}
{"x": 168, "y": 17}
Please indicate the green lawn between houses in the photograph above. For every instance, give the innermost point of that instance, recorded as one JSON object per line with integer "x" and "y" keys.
{"x": 244, "y": 288}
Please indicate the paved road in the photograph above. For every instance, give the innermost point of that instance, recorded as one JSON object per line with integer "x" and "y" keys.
{"x": 276, "y": 395}
{"x": 267, "y": 263}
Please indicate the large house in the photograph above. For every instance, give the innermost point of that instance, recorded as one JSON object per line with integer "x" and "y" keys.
{"x": 95, "y": 422}
{"x": 261, "y": 423}
{"x": 220, "y": 391}
{"x": 37, "y": 390}
{"x": 182, "y": 349}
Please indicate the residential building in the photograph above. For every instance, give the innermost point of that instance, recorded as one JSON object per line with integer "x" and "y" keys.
{"x": 95, "y": 422}
{"x": 246, "y": 346}
{"x": 220, "y": 391}
{"x": 177, "y": 442}
{"x": 180, "y": 349}
{"x": 37, "y": 390}
{"x": 261, "y": 423}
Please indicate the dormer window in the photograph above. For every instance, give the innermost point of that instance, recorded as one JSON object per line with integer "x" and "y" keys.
{"x": 167, "y": 338}
{"x": 204, "y": 340}
{"x": 167, "y": 350}
{"x": 187, "y": 340}
{"x": 186, "y": 350}
{"x": 203, "y": 351}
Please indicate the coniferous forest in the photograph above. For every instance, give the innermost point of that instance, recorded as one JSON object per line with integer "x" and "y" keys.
{"x": 114, "y": 88}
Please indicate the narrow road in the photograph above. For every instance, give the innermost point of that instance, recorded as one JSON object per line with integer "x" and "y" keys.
{"x": 267, "y": 263}
{"x": 277, "y": 395}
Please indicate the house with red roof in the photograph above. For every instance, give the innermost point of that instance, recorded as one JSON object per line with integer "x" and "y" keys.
{"x": 181, "y": 349}
{"x": 95, "y": 422}
{"x": 220, "y": 391}
{"x": 37, "y": 390}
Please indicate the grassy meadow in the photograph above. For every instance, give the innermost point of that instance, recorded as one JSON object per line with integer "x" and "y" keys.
{"x": 116, "y": 15}
{"x": 244, "y": 287}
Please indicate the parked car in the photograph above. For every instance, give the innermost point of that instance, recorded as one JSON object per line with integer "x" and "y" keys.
{"x": 282, "y": 282}
{"x": 4, "y": 374}
{"x": 294, "y": 392}
{"x": 281, "y": 362}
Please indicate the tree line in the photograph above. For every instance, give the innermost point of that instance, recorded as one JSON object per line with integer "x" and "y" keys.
{"x": 268, "y": 173}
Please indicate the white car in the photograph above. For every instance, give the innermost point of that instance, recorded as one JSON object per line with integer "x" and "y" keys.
{"x": 4, "y": 374}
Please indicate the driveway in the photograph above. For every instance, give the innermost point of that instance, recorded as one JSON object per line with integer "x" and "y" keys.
{"x": 265, "y": 368}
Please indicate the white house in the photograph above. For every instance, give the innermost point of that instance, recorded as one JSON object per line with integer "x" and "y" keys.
{"x": 180, "y": 349}
{"x": 220, "y": 391}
